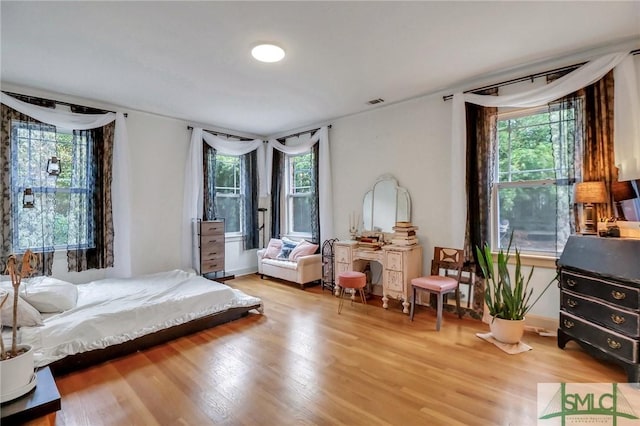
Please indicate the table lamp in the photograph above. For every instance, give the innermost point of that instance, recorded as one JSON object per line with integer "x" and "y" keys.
{"x": 621, "y": 191}
{"x": 590, "y": 193}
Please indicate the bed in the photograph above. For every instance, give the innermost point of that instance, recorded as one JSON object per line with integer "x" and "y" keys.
{"x": 114, "y": 317}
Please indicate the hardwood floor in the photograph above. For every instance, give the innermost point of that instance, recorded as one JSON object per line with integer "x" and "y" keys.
{"x": 302, "y": 363}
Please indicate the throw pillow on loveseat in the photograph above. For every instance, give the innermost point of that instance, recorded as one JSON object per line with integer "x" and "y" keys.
{"x": 290, "y": 260}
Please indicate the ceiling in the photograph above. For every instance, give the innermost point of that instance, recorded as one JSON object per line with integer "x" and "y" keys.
{"x": 191, "y": 60}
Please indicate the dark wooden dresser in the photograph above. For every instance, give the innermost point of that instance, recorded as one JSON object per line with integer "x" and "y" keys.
{"x": 600, "y": 299}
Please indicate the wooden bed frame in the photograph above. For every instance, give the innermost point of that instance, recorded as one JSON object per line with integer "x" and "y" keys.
{"x": 85, "y": 359}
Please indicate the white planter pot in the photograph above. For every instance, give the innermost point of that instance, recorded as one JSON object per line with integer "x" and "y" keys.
{"x": 507, "y": 331}
{"x": 16, "y": 375}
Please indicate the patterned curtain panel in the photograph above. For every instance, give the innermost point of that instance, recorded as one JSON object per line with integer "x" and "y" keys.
{"x": 315, "y": 201}
{"x": 481, "y": 125}
{"x": 598, "y": 161}
{"x": 276, "y": 192}
{"x": 209, "y": 170}
{"x": 250, "y": 191}
{"x": 567, "y": 160}
{"x": 481, "y": 133}
{"x": 90, "y": 236}
{"x": 32, "y": 229}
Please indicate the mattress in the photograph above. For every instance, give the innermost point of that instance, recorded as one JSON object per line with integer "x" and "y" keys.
{"x": 113, "y": 311}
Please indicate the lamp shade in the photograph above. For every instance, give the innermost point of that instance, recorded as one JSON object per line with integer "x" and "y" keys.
{"x": 623, "y": 191}
{"x": 590, "y": 192}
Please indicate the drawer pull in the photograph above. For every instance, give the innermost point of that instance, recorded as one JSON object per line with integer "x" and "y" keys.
{"x": 572, "y": 303}
{"x": 613, "y": 344}
{"x": 618, "y": 295}
{"x": 571, "y": 282}
{"x": 568, "y": 324}
{"x": 617, "y": 319}
{"x": 213, "y": 254}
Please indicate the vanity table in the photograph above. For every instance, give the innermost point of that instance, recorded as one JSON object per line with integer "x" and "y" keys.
{"x": 400, "y": 264}
{"x": 384, "y": 205}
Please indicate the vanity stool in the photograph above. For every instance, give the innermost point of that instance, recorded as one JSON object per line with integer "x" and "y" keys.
{"x": 352, "y": 280}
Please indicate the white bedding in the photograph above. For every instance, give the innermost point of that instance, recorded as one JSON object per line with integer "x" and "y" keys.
{"x": 113, "y": 311}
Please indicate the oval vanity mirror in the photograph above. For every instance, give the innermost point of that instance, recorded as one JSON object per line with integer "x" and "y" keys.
{"x": 384, "y": 205}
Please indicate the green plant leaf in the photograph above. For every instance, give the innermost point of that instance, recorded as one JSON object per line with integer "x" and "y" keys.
{"x": 507, "y": 296}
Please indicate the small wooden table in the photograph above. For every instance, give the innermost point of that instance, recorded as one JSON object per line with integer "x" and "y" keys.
{"x": 44, "y": 399}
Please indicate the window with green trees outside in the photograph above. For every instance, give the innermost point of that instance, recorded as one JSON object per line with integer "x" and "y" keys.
{"x": 299, "y": 193}
{"x": 228, "y": 189}
{"x": 531, "y": 181}
{"x": 62, "y": 209}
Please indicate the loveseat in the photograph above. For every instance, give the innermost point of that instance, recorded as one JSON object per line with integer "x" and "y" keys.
{"x": 295, "y": 265}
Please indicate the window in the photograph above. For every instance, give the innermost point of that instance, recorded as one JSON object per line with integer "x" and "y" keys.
{"x": 63, "y": 204}
{"x": 228, "y": 190}
{"x": 299, "y": 194}
{"x": 532, "y": 178}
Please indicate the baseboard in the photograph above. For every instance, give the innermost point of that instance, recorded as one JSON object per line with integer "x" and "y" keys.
{"x": 533, "y": 322}
{"x": 539, "y": 323}
{"x": 243, "y": 271}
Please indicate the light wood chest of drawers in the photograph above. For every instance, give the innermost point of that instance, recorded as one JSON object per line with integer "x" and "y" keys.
{"x": 211, "y": 246}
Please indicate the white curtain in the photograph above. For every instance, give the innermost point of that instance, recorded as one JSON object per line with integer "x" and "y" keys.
{"x": 626, "y": 132}
{"x": 325, "y": 197}
{"x": 585, "y": 75}
{"x": 194, "y": 185}
{"x": 120, "y": 185}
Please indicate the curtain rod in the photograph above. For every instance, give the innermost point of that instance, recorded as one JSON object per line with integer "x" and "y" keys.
{"x": 247, "y": 139}
{"x": 293, "y": 135}
{"x": 528, "y": 77}
{"x": 229, "y": 135}
{"x": 56, "y": 102}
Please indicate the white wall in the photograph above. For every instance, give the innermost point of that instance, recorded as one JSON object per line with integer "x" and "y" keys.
{"x": 158, "y": 148}
{"x": 410, "y": 140}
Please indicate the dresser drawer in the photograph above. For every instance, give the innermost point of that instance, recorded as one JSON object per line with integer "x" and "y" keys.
{"x": 340, "y": 268}
{"x": 212, "y": 228}
{"x": 608, "y": 291}
{"x": 609, "y": 341}
{"x": 394, "y": 280}
{"x": 394, "y": 260}
{"x": 212, "y": 265}
{"x": 212, "y": 250}
{"x": 343, "y": 254}
{"x": 625, "y": 322}
{"x": 211, "y": 255}
{"x": 208, "y": 240}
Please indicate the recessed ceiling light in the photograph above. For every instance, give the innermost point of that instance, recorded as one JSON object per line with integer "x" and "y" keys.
{"x": 267, "y": 53}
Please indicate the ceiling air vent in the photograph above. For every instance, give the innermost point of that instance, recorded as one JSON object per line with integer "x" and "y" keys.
{"x": 375, "y": 101}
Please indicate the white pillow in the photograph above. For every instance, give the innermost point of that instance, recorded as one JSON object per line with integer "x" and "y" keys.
{"x": 304, "y": 248}
{"x": 48, "y": 294}
{"x": 28, "y": 316}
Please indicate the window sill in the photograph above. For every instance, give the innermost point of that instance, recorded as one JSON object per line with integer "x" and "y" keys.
{"x": 233, "y": 238}
{"x": 538, "y": 261}
{"x": 298, "y": 237}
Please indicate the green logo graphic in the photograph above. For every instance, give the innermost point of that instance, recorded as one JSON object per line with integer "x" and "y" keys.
{"x": 589, "y": 404}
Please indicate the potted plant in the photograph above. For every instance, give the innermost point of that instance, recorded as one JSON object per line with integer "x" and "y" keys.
{"x": 508, "y": 298}
{"x": 16, "y": 364}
